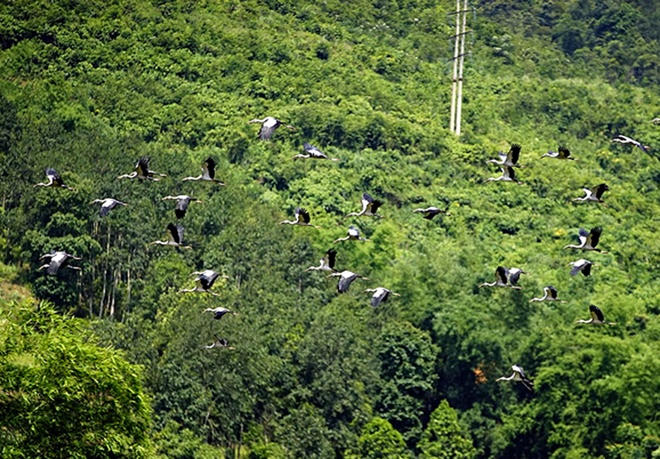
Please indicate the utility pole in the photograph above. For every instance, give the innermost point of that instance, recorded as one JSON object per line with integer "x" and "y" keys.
{"x": 457, "y": 75}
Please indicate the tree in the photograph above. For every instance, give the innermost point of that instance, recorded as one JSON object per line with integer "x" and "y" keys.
{"x": 379, "y": 440}
{"x": 444, "y": 437}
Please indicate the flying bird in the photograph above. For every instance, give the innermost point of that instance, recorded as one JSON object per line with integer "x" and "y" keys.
{"x": 54, "y": 180}
{"x": 268, "y": 126}
{"x": 380, "y": 295}
{"x": 107, "y": 205}
{"x": 509, "y": 159}
{"x": 594, "y": 194}
{"x": 549, "y": 294}
{"x": 623, "y": 139}
{"x": 219, "y": 342}
{"x": 597, "y": 317}
{"x": 327, "y": 262}
{"x": 182, "y": 202}
{"x": 369, "y": 207}
{"x": 508, "y": 175}
{"x": 313, "y": 153}
{"x": 505, "y": 278}
{"x": 205, "y": 280}
{"x": 431, "y": 212}
{"x": 175, "y": 237}
{"x": 142, "y": 171}
{"x": 58, "y": 259}
{"x": 302, "y": 218}
{"x": 353, "y": 235}
{"x": 588, "y": 240}
{"x": 346, "y": 278}
{"x": 563, "y": 153}
{"x": 219, "y": 312}
{"x": 207, "y": 175}
{"x": 519, "y": 375}
{"x": 581, "y": 265}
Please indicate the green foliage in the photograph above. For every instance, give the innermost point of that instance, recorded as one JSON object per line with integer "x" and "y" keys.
{"x": 379, "y": 440}
{"x": 444, "y": 437}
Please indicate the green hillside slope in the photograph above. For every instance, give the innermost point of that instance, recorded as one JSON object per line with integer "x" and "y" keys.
{"x": 89, "y": 87}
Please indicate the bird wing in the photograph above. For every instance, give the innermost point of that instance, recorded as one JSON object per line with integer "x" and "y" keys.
{"x": 564, "y": 152}
{"x": 596, "y": 313}
{"x": 313, "y": 151}
{"x": 142, "y": 166}
{"x": 106, "y": 207}
{"x": 353, "y": 231}
{"x": 54, "y": 176}
{"x": 514, "y": 275}
{"x": 594, "y": 236}
{"x": 587, "y": 268}
{"x": 173, "y": 232}
{"x": 600, "y": 189}
{"x": 345, "y": 281}
{"x": 331, "y": 257}
{"x": 302, "y": 213}
{"x": 208, "y": 168}
{"x": 583, "y": 235}
{"x": 207, "y": 278}
{"x": 519, "y": 370}
{"x": 501, "y": 274}
{"x": 514, "y": 153}
{"x": 552, "y": 292}
{"x": 375, "y": 205}
{"x": 268, "y": 127}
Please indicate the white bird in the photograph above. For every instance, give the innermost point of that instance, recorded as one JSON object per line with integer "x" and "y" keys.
{"x": 268, "y": 126}
{"x": 219, "y": 312}
{"x": 508, "y": 175}
{"x": 182, "y": 202}
{"x": 380, "y": 295}
{"x": 597, "y": 317}
{"x": 549, "y": 294}
{"x": 369, "y": 207}
{"x": 107, "y": 205}
{"x": 593, "y": 194}
{"x": 327, "y": 262}
{"x": 313, "y": 153}
{"x": 207, "y": 175}
{"x": 353, "y": 235}
{"x": 508, "y": 159}
{"x": 581, "y": 265}
{"x": 563, "y": 153}
{"x": 431, "y": 212}
{"x": 588, "y": 240}
{"x": 655, "y": 121}
{"x": 519, "y": 375}
{"x": 142, "y": 171}
{"x": 623, "y": 139}
{"x": 345, "y": 280}
{"x": 176, "y": 237}
{"x": 54, "y": 180}
{"x": 205, "y": 280}
{"x": 219, "y": 342}
{"x": 505, "y": 278}
{"x": 58, "y": 259}
{"x": 302, "y": 218}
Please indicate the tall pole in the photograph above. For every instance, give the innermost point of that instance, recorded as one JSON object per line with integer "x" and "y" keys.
{"x": 452, "y": 115}
{"x": 459, "y": 98}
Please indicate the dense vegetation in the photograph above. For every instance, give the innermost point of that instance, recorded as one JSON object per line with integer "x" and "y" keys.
{"x": 88, "y": 87}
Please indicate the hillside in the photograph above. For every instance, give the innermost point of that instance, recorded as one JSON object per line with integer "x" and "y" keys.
{"x": 88, "y": 88}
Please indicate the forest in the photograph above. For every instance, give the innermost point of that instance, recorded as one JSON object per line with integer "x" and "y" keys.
{"x": 102, "y": 355}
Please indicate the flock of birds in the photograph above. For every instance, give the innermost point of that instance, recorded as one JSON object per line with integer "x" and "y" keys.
{"x": 504, "y": 277}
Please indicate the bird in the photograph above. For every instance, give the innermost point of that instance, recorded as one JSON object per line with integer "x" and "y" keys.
{"x": 563, "y": 153}
{"x": 508, "y": 175}
{"x": 508, "y": 159}
{"x": 380, "y": 295}
{"x": 431, "y": 212}
{"x": 58, "y": 259}
{"x": 327, "y": 262}
{"x": 369, "y": 207}
{"x": 268, "y": 126}
{"x": 549, "y": 294}
{"x": 219, "y": 312}
{"x": 581, "y": 265}
{"x": 219, "y": 342}
{"x": 593, "y": 194}
{"x": 205, "y": 280}
{"x": 655, "y": 121}
{"x": 588, "y": 240}
{"x": 353, "y": 235}
{"x": 176, "y": 237}
{"x": 142, "y": 171}
{"x": 207, "y": 175}
{"x": 346, "y": 278}
{"x": 519, "y": 375}
{"x": 313, "y": 153}
{"x": 54, "y": 180}
{"x": 302, "y": 218}
{"x": 597, "y": 317}
{"x": 182, "y": 202}
{"x": 623, "y": 139}
{"x": 107, "y": 205}
{"x": 505, "y": 278}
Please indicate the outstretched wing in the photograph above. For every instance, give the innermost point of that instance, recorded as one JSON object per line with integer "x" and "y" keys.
{"x": 208, "y": 168}
{"x": 331, "y": 257}
{"x": 514, "y": 153}
{"x": 600, "y": 189}
{"x": 302, "y": 214}
{"x": 142, "y": 166}
{"x": 564, "y": 152}
{"x": 594, "y": 236}
{"x": 501, "y": 274}
{"x": 596, "y": 313}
